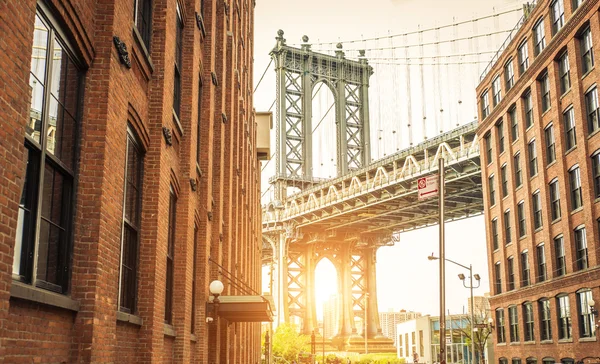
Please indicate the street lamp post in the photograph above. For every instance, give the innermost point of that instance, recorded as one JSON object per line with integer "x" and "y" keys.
{"x": 366, "y": 325}
{"x": 462, "y": 278}
{"x": 216, "y": 288}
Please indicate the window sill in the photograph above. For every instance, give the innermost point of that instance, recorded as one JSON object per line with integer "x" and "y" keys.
{"x": 30, "y": 293}
{"x": 129, "y": 318}
{"x": 551, "y": 164}
{"x": 570, "y": 150}
{"x": 593, "y": 134}
{"x": 587, "y": 339}
{"x": 529, "y": 127}
{"x": 529, "y": 343}
{"x": 546, "y": 111}
{"x": 515, "y": 343}
{"x": 555, "y": 221}
{"x": 587, "y": 73}
{"x": 501, "y": 344}
{"x": 577, "y": 210}
{"x": 537, "y": 230}
{"x": 515, "y": 141}
{"x": 140, "y": 43}
{"x": 519, "y": 187}
{"x": 193, "y": 338}
{"x": 522, "y": 237}
{"x": 546, "y": 342}
{"x": 177, "y": 123}
{"x": 169, "y": 331}
{"x": 565, "y": 93}
{"x": 565, "y": 341}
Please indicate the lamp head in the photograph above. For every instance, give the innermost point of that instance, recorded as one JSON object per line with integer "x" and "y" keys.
{"x": 216, "y": 288}
{"x": 476, "y": 276}
{"x": 431, "y": 257}
{"x": 490, "y": 320}
{"x": 461, "y": 277}
{"x": 591, "y": 302}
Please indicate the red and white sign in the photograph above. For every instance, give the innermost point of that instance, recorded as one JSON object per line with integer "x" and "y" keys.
{"x": 427, "y": 187}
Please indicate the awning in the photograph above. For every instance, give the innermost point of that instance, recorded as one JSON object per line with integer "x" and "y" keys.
{"x": 242, "y": 308}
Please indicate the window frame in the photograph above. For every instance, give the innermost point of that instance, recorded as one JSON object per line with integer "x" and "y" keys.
{"x": 509, "y": 74}
{"x": 513, "y": 322}
{"x": 496, "y": 91}
{"x": 525, "y": 269}
{"x": 514, "y": 123}
{"x": 178, "y": 67}
{"x": 575, "y": 188}
{"x": 586, "y": 45}
{"x": 570, "y": 131}
{"x": 498, "y": 277}
{"x": 510, "y": 270}
{"x": 500, "y": 326}
{"x": 557, "y": 10}
{"x": 540, "y": 252}
{"x": 507, "y": 228}
{"x": 550, "y": 140}
{"x": 564, "y": 72}
{"x": 544, "y": 82}
{"x": 592, "y": 116}
{"x": 128, "y": 290}
{"x": 554, "y": 190}
{"x": 528, "y": 322}
{"x": 539, "y": 37}
{"x": 492, "y": 189}
{"x": 504, "y": 179}
{"x": 518, "y": 169}
{"x": 500, "y": 134}
{"x": 587, "y": 320}
{"x": 563, "y": 317}
{"x": 528, "y": 107}
{"x": 545, "y": 315}
{"x": 537, "y": 210}
{"x": 522, "y": 222}
{"x": 581, "y": 248}
{"x": 494, "y": 228}
{"x": 560, "y": 254}
{"x": 596, "y": 173}
{"x": 170, "y": 256}
{"x": 142, "y": 20}
{"x": 485, "y": 104}
{"x": 523, "y": 55}
{"x": 532, "y": 156}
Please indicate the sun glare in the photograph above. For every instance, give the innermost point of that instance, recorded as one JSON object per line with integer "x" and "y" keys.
{"x": 325, "y": 284}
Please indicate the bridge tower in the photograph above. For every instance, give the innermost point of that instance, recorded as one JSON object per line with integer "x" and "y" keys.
{"x": 295, "y": 257}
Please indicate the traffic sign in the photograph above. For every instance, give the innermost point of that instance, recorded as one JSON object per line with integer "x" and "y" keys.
{"x": 427, "y": 187}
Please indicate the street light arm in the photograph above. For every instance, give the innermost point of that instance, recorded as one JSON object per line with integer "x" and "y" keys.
{"x": 431, "y": 257}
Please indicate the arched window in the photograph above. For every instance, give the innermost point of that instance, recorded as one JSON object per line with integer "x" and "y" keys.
{"x": 587, "y": 327}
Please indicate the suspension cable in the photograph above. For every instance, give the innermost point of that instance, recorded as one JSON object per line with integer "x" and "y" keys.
{"x": 263, "y": 75}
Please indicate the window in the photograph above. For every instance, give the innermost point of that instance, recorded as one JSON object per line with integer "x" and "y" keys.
{"x": 523, "y": 57}
{"x": 511, "y": 273}
{"x": 421, "y": 343}
{"x": 544, "y": 81}
{"x": 194, "y": 272}
{"x": 514, "y": 123}
{"x": 199, "y": 126}
{"x": 587, "y": 53}
{"x": 567, "y": 361}
{"x": 488, "y": 147}
{"x": 400, "y": 344}
{"x": 550, "y": 144}
{"x": 533, "y": 167}
{"x": 498, "y": 278}
{"x": 495, "y": 233}
{"x": 516, "y": 361}
{"x": 564, "y": 70}
{"x": 170, "y": 257}
{"x": 531, "y": 360}
{"x": 596, "y": 173}
{"x": 591, "y": 105}
{"x": 178, "y": 64}
{"x": 130, "y": 237}
{"x": 485, "y": 105}
{"x": 44, "y": 223}
{"x": 503, "y": 175}
{"x": 564, "y": 317}
{"x": 528, "y": 321}
{"x": 500, "y": 130}
{"x": 575, "y": 180}
{"x": 557, "y": 9}
{"x": 492, "y": 190}
{"x": 545, "y": 317}
{"x": 554, "y": 199}
{"x": 502, "y": 361}
{"x": 539, "y": 40}
{"x": 143, "y": 20}
{"x": 513, "y": 321}
{"x": 528, "y": 105}
{"x": 521, "y": 217}
{"x": 507, "y": 226}
{"x": 518, "y": 172}
{"x": 570, "y": 137}
{"x": 576, "y": 4}
{"x": 525, "y": 269}
{"x": 541, "y": 262}
{"x": 500, "y": 325}
{"x": 509, "y": 75}
{"x": 559, "y": 250}
{"x": 496, "y": 91}
{"x": 587, "y": 321}
{"x": 581, "y": 246}
{"x": 537, "y": 210}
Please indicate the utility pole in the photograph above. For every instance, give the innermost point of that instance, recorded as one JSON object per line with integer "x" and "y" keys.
{"x": 442, "y": 192}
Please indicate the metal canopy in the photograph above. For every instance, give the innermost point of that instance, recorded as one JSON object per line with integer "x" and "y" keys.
{"x": 243, "y": 308}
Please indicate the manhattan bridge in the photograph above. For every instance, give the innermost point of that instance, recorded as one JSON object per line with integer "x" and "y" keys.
{"x": 369, "y": 201}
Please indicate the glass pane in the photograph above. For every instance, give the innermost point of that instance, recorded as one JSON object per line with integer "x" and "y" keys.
{"x": 52, "y": 195}
{"x": 55, "y": 112}
{"x": 60, "y": 133}
{"x": 34, "y": 127}
{"x": 40, "y": 48}
{"x": 49, "y": 254}
{"x": 65, "y": 79}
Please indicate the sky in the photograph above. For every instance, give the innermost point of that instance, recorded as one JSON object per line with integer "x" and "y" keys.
{"x": 405, "y": 278}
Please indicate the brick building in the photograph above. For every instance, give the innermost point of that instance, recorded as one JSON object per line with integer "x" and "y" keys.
{"x": 539, "y": 142}
{"x": 127, "y": 155}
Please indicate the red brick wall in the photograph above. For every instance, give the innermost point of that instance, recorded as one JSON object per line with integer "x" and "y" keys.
{"x": 225, "y": 205}
{"x": 586, "y": 145}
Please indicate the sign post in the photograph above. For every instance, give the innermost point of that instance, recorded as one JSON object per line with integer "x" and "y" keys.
{"x": 442, "y": 193}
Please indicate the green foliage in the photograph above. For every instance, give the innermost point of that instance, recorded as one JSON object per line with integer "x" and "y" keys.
{"x": 288, "y": 343}
{"x": 362, "y": 359}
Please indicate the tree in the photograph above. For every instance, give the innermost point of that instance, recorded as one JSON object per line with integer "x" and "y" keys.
{"x": 482, "y": 332}
{"x": 288, "y": 343}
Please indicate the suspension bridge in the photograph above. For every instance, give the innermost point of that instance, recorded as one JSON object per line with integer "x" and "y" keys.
{"x": 344, "y": 203}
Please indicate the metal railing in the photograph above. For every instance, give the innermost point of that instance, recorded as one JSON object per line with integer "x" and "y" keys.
{"x": 527, "y": 9}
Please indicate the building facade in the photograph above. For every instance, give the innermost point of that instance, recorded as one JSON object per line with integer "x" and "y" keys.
{"x": 389, "y": 322}
{"x": 129, "y": 180}
{"x": 330, "y": 314}
{"x": 540, "y": 156}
